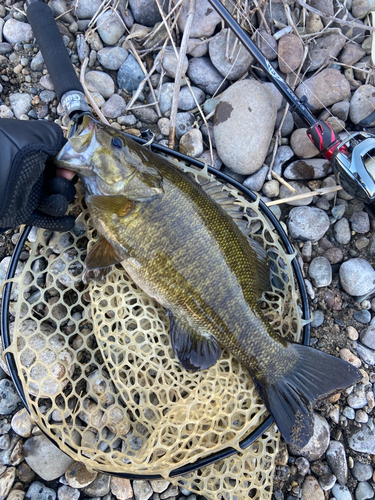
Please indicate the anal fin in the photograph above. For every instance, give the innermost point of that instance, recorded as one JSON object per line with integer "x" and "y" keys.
{"x": 194, "y": 350}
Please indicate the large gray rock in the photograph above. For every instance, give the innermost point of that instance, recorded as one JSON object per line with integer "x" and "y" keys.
{"x": 357, "y": 276}
{"x": 324, "y": 89}
{"x": 308, "y": 223}
{"x": 44, "y": 458}
{"x": 244, "y": 121}
{"x": 230, "y": 63}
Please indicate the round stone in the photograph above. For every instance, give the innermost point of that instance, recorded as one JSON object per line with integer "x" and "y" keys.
{"x": 142, "y": 490}
{"x": 130, "y": 74}
{"x": 114, "y": 107}
{"x": 362, "y": 316}
{"x": 360, "y": 222}
{"x": 290, "y": 53}
{"x": 324, "y": 89}
{"x": 145, "y": 12}
{"x": 341, "y": 492}
{"x": 342, "y": 231}
{"x": 16, "y": 32}
{"x": 78, "y": 476}
{"x": 336, "y": 459}
{"x": 21, "y": 423}
{"x": 191, "y": 143}
{"x": 7, "y": 479}
{"x": 319, "y": 441}
{"x": 362, "y": 104}
{"x": 112, "y": 57}
{"x": 357, "y": 277}
{"x": 122, "y": 488}
{"x": 204, "y": 75}
{"x": 228, "y": 55}
{"x": 308, "y": 223}
{"x": 97, "y": 81}
{"x": 362, "y": 472}
{"x": 170, "y": 62}
{"x": 38, "y": 491}
{"x": 9, "y": 398}
{"x": 364, "y": 491}
{"x": 311, "y": 489}
{"x": 306, "y": 169}
{"x": 300, "y": 189}
{"x": 67, "y": 493}
{"x": 317, "y": 318}
{"x": 44, "y": 458}
{"x": 21, "y": 104}
{"x": 320, "y": 272}
{"x": 301, "y": 144}
{"x": 186, "y": 101}
{"x": 244, "y": 150}
{"x": 110, "y": 27}
{"x": 204, "y": 22}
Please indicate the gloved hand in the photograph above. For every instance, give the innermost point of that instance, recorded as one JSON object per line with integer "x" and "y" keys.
{"x": 30, "y": 193}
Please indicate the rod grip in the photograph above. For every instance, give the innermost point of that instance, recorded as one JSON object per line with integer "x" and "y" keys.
{"x": 51, "y": 45}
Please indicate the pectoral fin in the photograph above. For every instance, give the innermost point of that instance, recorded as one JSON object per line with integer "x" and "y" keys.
{"x": 101, "y": 255}
{"x": 119, "y": 205}
{"x": 194, "y": 350}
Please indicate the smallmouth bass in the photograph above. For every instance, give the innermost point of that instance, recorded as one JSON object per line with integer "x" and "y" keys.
{"x": 185, "y": 250}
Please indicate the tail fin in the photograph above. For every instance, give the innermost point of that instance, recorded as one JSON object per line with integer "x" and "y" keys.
{"x": 290, "y": 399}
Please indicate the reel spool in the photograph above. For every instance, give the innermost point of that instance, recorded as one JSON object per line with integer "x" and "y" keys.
{"x": 96, "y": 370}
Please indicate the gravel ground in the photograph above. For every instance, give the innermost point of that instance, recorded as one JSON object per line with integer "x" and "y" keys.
{"x": 333, "y": 233}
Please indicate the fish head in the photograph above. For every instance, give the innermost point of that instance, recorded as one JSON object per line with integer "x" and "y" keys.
{"x": 109, "y": 163}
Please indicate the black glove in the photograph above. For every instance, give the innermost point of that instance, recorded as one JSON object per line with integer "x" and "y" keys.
{"x": 29, "y": 191}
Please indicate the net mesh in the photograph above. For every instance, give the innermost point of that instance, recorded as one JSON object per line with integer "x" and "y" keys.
{"x": 100, "y": 376}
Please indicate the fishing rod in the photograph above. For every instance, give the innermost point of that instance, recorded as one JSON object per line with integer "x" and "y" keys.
{"x": 352, "y": 158}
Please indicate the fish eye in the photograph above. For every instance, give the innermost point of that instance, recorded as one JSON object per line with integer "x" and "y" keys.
{"x": 117, "y": 143}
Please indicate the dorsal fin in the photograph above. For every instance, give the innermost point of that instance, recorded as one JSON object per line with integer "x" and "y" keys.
{"x": 215, "y": 190}
{"x": 223, "y": 198}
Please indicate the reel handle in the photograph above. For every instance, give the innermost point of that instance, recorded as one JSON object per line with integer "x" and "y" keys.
{"x": 324, "y": 138}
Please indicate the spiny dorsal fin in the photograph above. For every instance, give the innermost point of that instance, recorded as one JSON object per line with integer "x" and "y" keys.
{"x": 227, "y": 202}
{"x": 194, "y": 350}
{"x": 101, "y": 255}
{"x": 118, "y": 204}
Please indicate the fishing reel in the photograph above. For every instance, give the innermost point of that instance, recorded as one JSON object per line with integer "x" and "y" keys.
{"x": 352, "y": 158}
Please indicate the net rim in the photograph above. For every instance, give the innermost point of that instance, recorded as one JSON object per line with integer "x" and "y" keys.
{"x": 214, "y": 457}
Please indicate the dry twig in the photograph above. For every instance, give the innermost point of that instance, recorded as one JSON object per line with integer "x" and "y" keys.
{"x": 327, "y": 190}
{"x": 334, "y": 19}
{"x": 88, "y": 94}
{"x": 179, "y": 72}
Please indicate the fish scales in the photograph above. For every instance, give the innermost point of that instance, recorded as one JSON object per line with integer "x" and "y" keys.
{"x": 167, "y": 242}
{"x": 183, "y": 249}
